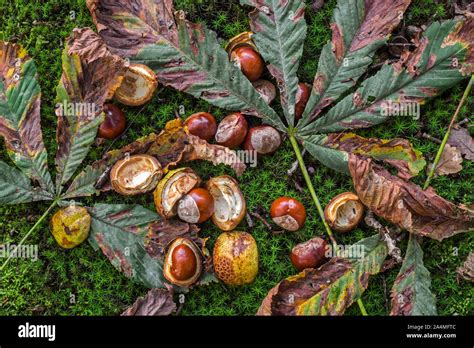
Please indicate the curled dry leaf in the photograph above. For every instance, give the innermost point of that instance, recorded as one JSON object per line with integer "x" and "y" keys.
{"x": 157, "y": 302}
{"x": 330, "y": 289}
{"x": 450, "y": 161}
{"x": 466, "y": 271}
{"x": 403, "y": 203}
{"x": 91, "y": 74}
{"x": 462, "y": 140}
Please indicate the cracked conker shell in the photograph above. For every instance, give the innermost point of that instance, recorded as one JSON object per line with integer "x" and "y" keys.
{"x": 249, "y": 61}
{"x": 263, "y": 139}
{"x": 344, "y": 212}
{"x": 266, "y": 89}
{"x": 202, "y": 125}
{"x": 196, "y": 207}
{"x": 70, "y": 226}
{"x": 183, "y": 262}
{"x": 174, "y": 186}
{"x": 309, "y": 254}
{"x": 288, "y": 213}
{"x": 229, "y": 202}
{"x": 302, "y": 97}
{"x": 136, "y": 174}
{"x": 114, "y": 123}
{"x": 235, "y": 258}
{"x": 232, "y": 130}
{"x": 138, "y": 85}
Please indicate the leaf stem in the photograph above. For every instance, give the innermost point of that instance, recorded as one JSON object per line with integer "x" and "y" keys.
{"x": 448, "y": 133}
{"x": 299, "y": 157}
{"x": 35, "y": 226}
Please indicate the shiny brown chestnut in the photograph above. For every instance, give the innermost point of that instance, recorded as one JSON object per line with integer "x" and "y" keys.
{"x": 202, "y": 125}
{"x": 249, "y": 61}
{"x": 114, "y": 123}
{"x": 263, "y": 139}
{"x": 232, "y": 130}
{"x": 309, "y": 254}
{"x": 344, "y": 212}
{"x": 302, "y": 97}
{"x": 196, "y": 207}
{"x": 183, "y": 262}
{"x": 288, "y": 213}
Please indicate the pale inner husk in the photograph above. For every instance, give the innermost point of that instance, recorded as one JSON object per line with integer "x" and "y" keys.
{"x": 188, "y": 210}
{"x": 176, "y": 187}
{"x": 347, "y": 213}
{"x": 228, "y": 204}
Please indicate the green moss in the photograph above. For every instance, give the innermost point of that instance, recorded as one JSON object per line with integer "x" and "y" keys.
{"x": 83, "y": 282}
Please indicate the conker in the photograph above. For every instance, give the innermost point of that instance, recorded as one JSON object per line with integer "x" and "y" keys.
{"x": 232, "y": 130}
{"x": 114, "y": 123}
{"x": 263, "y": 139}
{"x": 309, "y": 254}
{"x": 302, "y": 97}
{"x": 196, "y": 207}
{"x": 183, "y": 262}
{"x": 249, "y": 61}
{"x": 202, "y": 125}
{"x": 288, "y": 213}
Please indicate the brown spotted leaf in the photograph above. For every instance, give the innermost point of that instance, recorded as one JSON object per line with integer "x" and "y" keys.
{"x": 466, "y": 271}
{"x": 450, "y": 161}
{"x": 332, "y": 288}
{"x": 404, "y": 203}
{"x": 91, "y": 74}
{"x": 184, "y": 55}
{"x": 462, "y": 140}
{"x": 359, "y": 29}
{"x": 443, "y": 58}
{"x": 20, "y": 115}
{"x": 157, "y": 302}
{"x": 411, "y": 294}
{"x": 280, "y": 31}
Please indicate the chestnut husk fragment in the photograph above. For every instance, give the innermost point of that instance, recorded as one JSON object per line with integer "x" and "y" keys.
{"x": 344, "y": 212}
{"x": 138, "y": 85}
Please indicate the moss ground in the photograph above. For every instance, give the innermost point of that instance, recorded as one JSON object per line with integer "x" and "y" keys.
{"x": 83, "y": 282}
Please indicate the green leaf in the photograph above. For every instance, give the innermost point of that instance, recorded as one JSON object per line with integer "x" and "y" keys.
{"x": 119, "y": 231}
{"x": 332, "y": 288}
{"x": 280, "y": 31}
{"x": 184, "y": 55}
{"x": 20, "y": 114}
{"x": 359, "y": 28}
{"x": 333, "y": 150}
{"x": 91, "y": 74}
{"x": 15, "y": 187}
{"x": 443, "y": 58}
{"x": 411, "y": 294}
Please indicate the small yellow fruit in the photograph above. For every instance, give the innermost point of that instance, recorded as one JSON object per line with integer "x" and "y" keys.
{"x": 236, "y": 258}
{"x": 70, "y": 226}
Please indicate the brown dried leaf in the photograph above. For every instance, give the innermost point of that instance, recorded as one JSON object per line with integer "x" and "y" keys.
{"x": 466, "y": 271}
{"x": 406, "y": 204}
{"x": 265, "y": 308}
{"x": 450, "y": 161}
{"x": 157, "y": 302}
{"x": 461, "y": 138}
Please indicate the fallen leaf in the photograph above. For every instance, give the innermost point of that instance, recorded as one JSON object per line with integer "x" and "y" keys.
{"x": 466, "y": 271}
{"x": 461, "y": 139}
{"x": 157, "y": 302}
{"x": 450, "y": 161}
{"x": 405, "y": 204}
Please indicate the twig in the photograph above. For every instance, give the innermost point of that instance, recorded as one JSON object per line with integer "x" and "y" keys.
{"x": 249, "y": 220}
{"x": 463, "y": 122}
{"x": 448, "y": 132}
{"x": 432, "y": 138}
{"x": 294, "y": 166}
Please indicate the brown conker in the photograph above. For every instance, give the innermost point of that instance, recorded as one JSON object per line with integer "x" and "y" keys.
{"x": 232, "y": 130}
{"x": 114, "y": 123}
{"x": 288, "y": 213}
{"x": 302, "y": 97}
{"x": 249, "y": 61}
{"x": 309, "y": 254}
{"x": 263, "y": 139}
{"x": 183, "y": 262}
{"x": 196, "y": 207}
{"x": 202, "y": 125}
